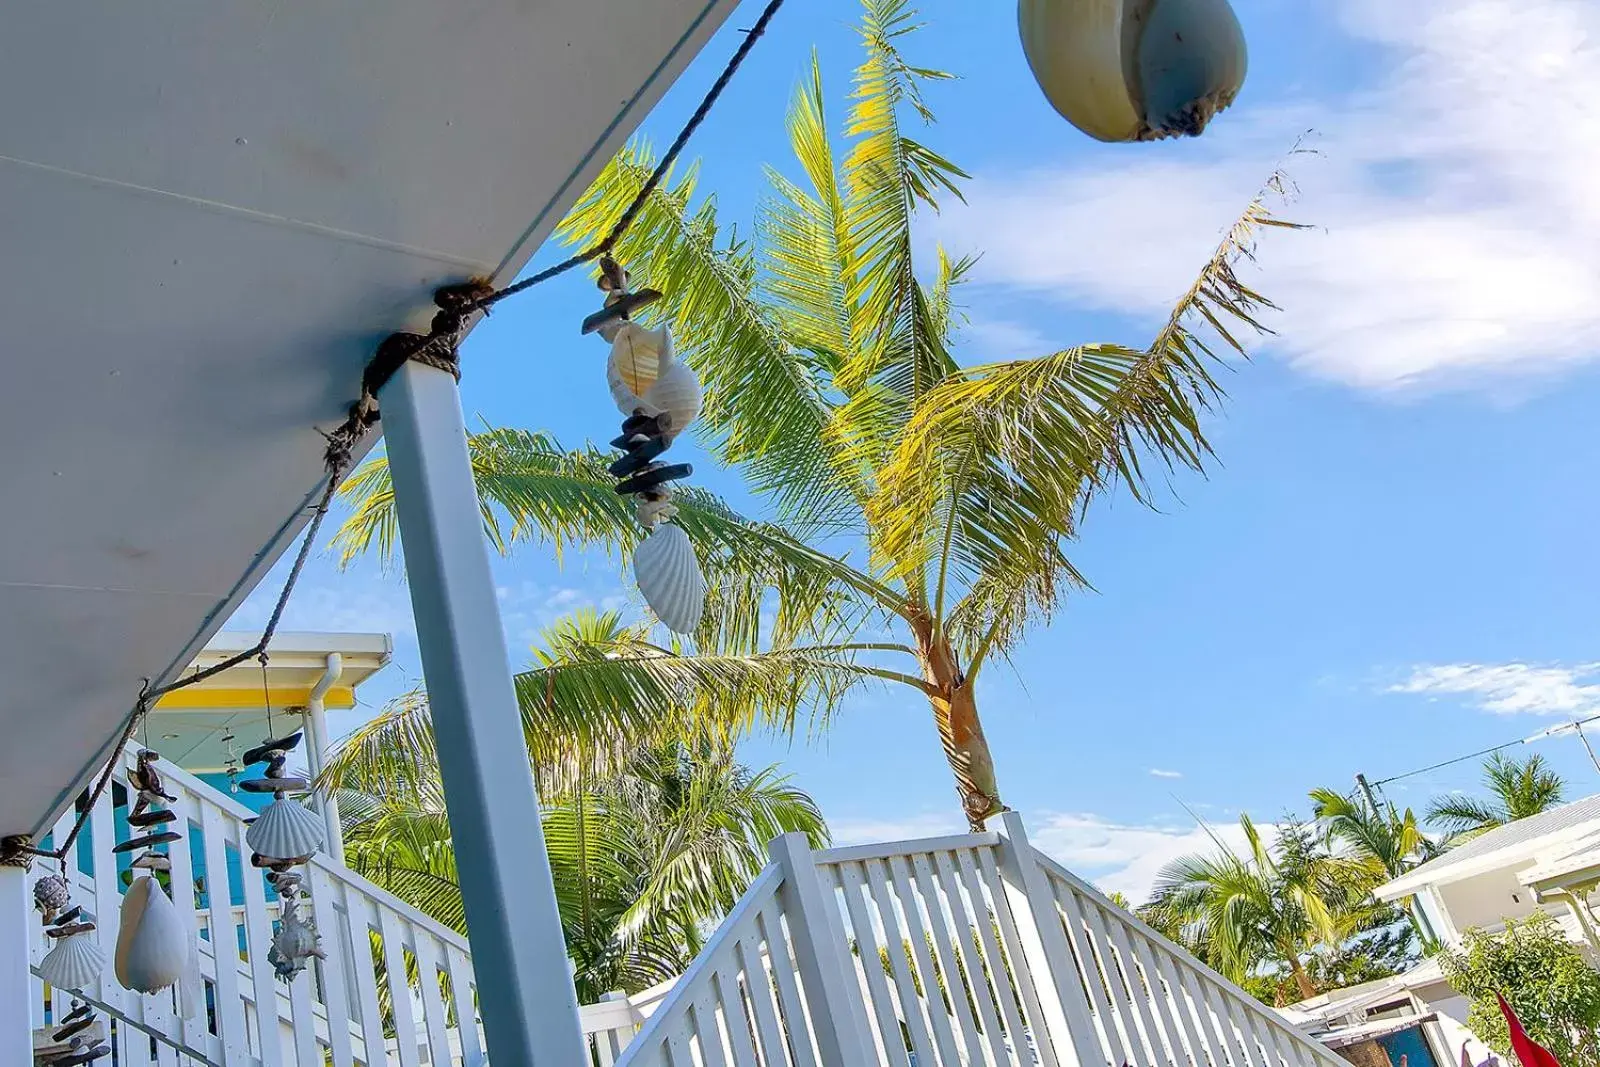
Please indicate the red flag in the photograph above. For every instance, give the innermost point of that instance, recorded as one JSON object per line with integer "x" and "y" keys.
{"x": 1530, "y": 1052}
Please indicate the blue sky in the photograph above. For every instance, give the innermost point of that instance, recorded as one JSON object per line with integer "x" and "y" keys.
{"x": 1392, "y": 561}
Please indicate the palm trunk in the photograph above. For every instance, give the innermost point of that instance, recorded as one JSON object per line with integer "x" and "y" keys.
{"x": 955, "y": 712}
{"x": 1301, "y": 978}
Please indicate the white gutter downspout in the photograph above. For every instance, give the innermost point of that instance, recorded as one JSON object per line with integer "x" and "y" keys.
{"x": 316, "y": 720}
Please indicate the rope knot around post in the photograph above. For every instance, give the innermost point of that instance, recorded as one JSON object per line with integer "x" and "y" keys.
{"x": 16, "y": 850}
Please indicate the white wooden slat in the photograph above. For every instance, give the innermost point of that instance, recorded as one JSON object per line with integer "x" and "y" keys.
{"x": 917, "y": 933}
{"x": 899, "y": 963}
{"x": 967, "y": 918}
{"x": 1161, "y": 1003}
{"x": 181, "y": 881}
{"x": 335, "y": 990}
{"x": 303, "y": 1019}
{"x": 1005, "y": 986}
{"x": 735, "y": 1010}
{"x": 224, "y": 938}
{"x": 1194, "y": 986}
{"x": 1026, "y": 985}
{"x": 758, "y": 987}
{"x": 1089, "y": 977}
{"x": 1257, "y": 1036}
{"x": 1171, "y": 971}
{"x": 783, "y": 974}
{"x": 852, "y": 880}
{"x": 107, "y": 898}
{"x": 708, "y": 1034}
{"x": 394, "y": 961}
{"x": 1227, "y": 1013}
{"x": 466, "y": 1009}
{"x": 1142, "y": 988}
{"x": 603, "y": 1049}
{"x": 258, "y": 936}
{"x": 1122, "y": 982}
{"x": 433, "y": 1013}
{"x": 679, "y": 1047}
{"x": 358, "y": 911}
{"x": 883, "y": 850}
{"x": 940, "y": 922}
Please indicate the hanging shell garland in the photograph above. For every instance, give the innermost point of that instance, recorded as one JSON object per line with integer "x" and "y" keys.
{"x": 74, "y": 962}
{"x": 153, "y": 944}
{"x": 1134, "y": 70}
{"x": 669, "y": 576}
{"x": 295, "y": 942}
{"x": 286, "y": 830}
{"x": 50, "y": 895}
{"x": 659, "y": 398}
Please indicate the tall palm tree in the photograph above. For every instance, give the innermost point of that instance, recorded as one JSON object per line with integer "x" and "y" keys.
{"x": 643, "y": 856}
{"x": 1517, "y": 789}
{"x": 1386, "y": 841}
{"x": 905, "y": 491}
{"x": 1269, "y": 907}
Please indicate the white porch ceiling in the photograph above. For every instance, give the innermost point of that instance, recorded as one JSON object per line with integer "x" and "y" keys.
{"x": 210, "y": 213}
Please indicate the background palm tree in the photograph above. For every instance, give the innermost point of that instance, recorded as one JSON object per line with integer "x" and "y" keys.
{"x": 644, "y": 856}
{"x": 1269, "y": 908}
{"x": 906, "y": 491}
{"x": 1385, "y": 840}
{"x": 1517, "y": 789}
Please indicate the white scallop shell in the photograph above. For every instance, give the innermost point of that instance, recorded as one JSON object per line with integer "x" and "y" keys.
{"x": 637, "y": 358}
{"x": 153, "y": 946}
{"x": 669, "y": 577}
{"x": 75, "y": 962}
{"x": 286, "y": 830}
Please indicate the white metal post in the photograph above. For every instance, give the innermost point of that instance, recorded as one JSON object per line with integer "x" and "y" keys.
{"x": 1044, "y": 942}
{"x": 833, "y": 994}
{"x": 16, "y": 988}
{"x": 525, "y": 990}
{"x": 316, "y": 724}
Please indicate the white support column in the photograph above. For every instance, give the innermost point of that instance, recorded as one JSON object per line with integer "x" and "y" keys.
{"x": 525, "y": 991}
{"x": 833, "y": 993}
{"x": 316, "y": 723}
{"x": 16, "y": 987}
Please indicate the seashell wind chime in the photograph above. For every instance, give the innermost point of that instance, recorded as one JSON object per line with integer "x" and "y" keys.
{"x": 156, "y": 947}
{"x": 1134, "y": 70}
{"x": 285, "y": 835}
{"x": 658, "y": 397}
{"x": 74, "y": 961}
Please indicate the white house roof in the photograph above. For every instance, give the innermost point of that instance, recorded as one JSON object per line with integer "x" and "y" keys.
{"x": 212, "y": 213}
{"x": 1507, "y": 845}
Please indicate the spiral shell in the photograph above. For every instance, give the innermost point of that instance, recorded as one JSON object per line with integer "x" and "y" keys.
{"x": 637, "y": 358}
{"x": 1134, "y": 70}
{"x": 153, "y": 946}
{"x": 74, "y": 962}
{"x": 51, "y": 894}
{"x": 676, "y": 394}
{"x": 669, "y": 576}
{"x": 286, "y": 830}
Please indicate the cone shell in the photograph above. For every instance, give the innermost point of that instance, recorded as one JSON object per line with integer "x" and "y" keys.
{"x": 669, "y": 577}
{"x": 637, "y": 358}
{"x": 1134, "y": 70}
{"x": 75, "y": 962}
{"x": 153, "y": 945}
{"x": 286, "y": 829}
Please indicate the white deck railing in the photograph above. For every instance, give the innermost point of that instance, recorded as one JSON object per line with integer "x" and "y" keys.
{"x": 390, "y": 971}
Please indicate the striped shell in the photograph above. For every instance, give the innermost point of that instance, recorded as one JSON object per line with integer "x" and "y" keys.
{"x": 286, "y": 830}
{"x": 1134, "y": 70}
{"x": 645, "y": 376}
{"x": 153, "y": 944}
{"x": 669, "y": 577}
{"x": 75, "y": 962}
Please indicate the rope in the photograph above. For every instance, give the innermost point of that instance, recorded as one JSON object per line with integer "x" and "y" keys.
{"x": 438, "y": 348}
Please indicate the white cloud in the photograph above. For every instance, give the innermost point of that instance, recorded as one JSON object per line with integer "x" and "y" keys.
{"x": 1460, "y": 239}
{"x": 1115, "y": 856}
{"x": 1157, "y": 772}
{"x": 1510, "y": 688}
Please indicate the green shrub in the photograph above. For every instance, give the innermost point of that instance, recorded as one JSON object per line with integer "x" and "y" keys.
{"x": 1543, "y": 977}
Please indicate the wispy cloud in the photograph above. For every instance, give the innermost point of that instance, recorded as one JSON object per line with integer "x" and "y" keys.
{"x": 346, "y": 603}
{"x": 1157, "y": 772}
{"x": 1510, "y": 688}
{"x": 1461, "y": 237}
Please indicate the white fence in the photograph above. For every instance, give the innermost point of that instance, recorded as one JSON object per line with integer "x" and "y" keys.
{"x": 951, "y": 952}
{"x": 390, "y": 970}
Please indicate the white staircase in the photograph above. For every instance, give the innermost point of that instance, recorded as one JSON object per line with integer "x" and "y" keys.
{"x": 966, "y": 951}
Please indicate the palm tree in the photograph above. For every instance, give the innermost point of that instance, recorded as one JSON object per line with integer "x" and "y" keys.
{"x": 905, "y": 491}
{"x": 643, "y": 858}
{"x": 1270, "y": 907}
{"x": 1518, "y": 789}
{"x": 1386, "y": 841}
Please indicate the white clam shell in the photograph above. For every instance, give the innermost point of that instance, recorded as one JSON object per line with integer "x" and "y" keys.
{"x": 74, "y": 962}
{"x": 637, "y": 358}
{"x": 286, "y": 830}
{"x": 153, "y": 946}
{"x": 669, "y": 576}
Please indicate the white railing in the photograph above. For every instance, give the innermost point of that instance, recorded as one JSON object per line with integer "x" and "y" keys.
{"x": 951, "y": 952}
